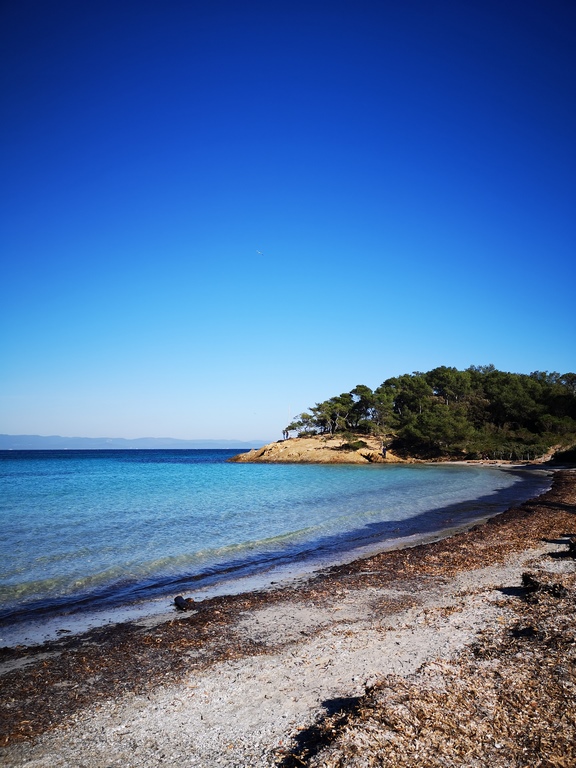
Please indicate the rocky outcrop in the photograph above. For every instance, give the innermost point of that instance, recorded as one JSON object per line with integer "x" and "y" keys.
{"x": 321, "y": 449}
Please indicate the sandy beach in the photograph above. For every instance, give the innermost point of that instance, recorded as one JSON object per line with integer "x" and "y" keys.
{"x": 460, "y": 652}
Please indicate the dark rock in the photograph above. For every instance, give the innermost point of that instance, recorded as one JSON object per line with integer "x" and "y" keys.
{"x": 183, "y": 604}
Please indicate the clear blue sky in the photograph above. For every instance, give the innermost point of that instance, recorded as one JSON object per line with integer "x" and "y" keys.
{"x": 406, "y": 169}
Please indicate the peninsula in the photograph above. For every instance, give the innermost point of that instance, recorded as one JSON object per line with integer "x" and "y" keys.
{"x": 322, "y": 449}
{"x": 480, "y": 414}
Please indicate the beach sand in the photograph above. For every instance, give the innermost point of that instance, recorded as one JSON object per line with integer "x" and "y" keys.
{"x": 433, "y": 655}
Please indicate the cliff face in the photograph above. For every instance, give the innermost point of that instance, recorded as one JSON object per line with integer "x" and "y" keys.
{"x": 321, "y": 449}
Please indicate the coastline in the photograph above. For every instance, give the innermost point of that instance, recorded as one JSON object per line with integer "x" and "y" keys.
{"x": 334, "y": 449}
{"x": 31, "y": 627}
{"x": 243, "y": 678}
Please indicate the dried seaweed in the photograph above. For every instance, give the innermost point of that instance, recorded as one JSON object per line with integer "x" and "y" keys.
{"x": 507, "y": 701}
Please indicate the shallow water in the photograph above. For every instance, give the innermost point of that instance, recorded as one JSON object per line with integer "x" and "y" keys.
{"x": 110, "y": 528}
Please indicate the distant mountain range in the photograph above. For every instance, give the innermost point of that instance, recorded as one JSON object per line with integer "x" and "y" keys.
{"x": 55, "y": 442}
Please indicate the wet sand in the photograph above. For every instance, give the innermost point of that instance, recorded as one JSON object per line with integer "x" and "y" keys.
{"x": 250, "y": 679}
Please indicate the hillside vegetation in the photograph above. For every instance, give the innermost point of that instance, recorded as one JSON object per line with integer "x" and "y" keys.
{"x": 477, "y": 413}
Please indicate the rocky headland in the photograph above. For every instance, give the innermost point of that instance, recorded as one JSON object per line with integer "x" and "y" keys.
{"x": 365, "y": 449}
{"x": 322, "y": 449}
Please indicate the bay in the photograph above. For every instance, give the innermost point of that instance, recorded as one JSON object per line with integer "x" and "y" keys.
{"x": 93, "y": 530}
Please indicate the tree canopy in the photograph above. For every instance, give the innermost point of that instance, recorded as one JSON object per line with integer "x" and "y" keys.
{"x": 476, "y": 413}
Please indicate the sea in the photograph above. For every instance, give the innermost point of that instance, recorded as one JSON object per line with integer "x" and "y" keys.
{"x": 94, "y": 537}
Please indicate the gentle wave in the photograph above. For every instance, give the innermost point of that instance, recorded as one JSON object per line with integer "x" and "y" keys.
{"x": 111, "y": 527}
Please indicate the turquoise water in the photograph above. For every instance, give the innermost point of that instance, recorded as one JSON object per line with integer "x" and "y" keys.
{"x": 104, "y": 528}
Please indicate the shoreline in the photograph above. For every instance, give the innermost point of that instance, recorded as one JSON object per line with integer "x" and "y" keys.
{"x": 333, "y": 449}
{"x": 39, "y": 628}
{"x": 241, "y": 679}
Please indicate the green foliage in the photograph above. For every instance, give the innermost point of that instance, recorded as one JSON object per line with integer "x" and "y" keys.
{"x": 477, "y": 413}
{"x": 351, "y": 444}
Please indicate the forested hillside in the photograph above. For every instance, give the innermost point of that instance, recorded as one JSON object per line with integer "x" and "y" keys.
{"x": 477, "y": 413}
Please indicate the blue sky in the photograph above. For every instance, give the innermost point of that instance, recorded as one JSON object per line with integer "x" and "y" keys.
{"x": 216, "y": 214}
